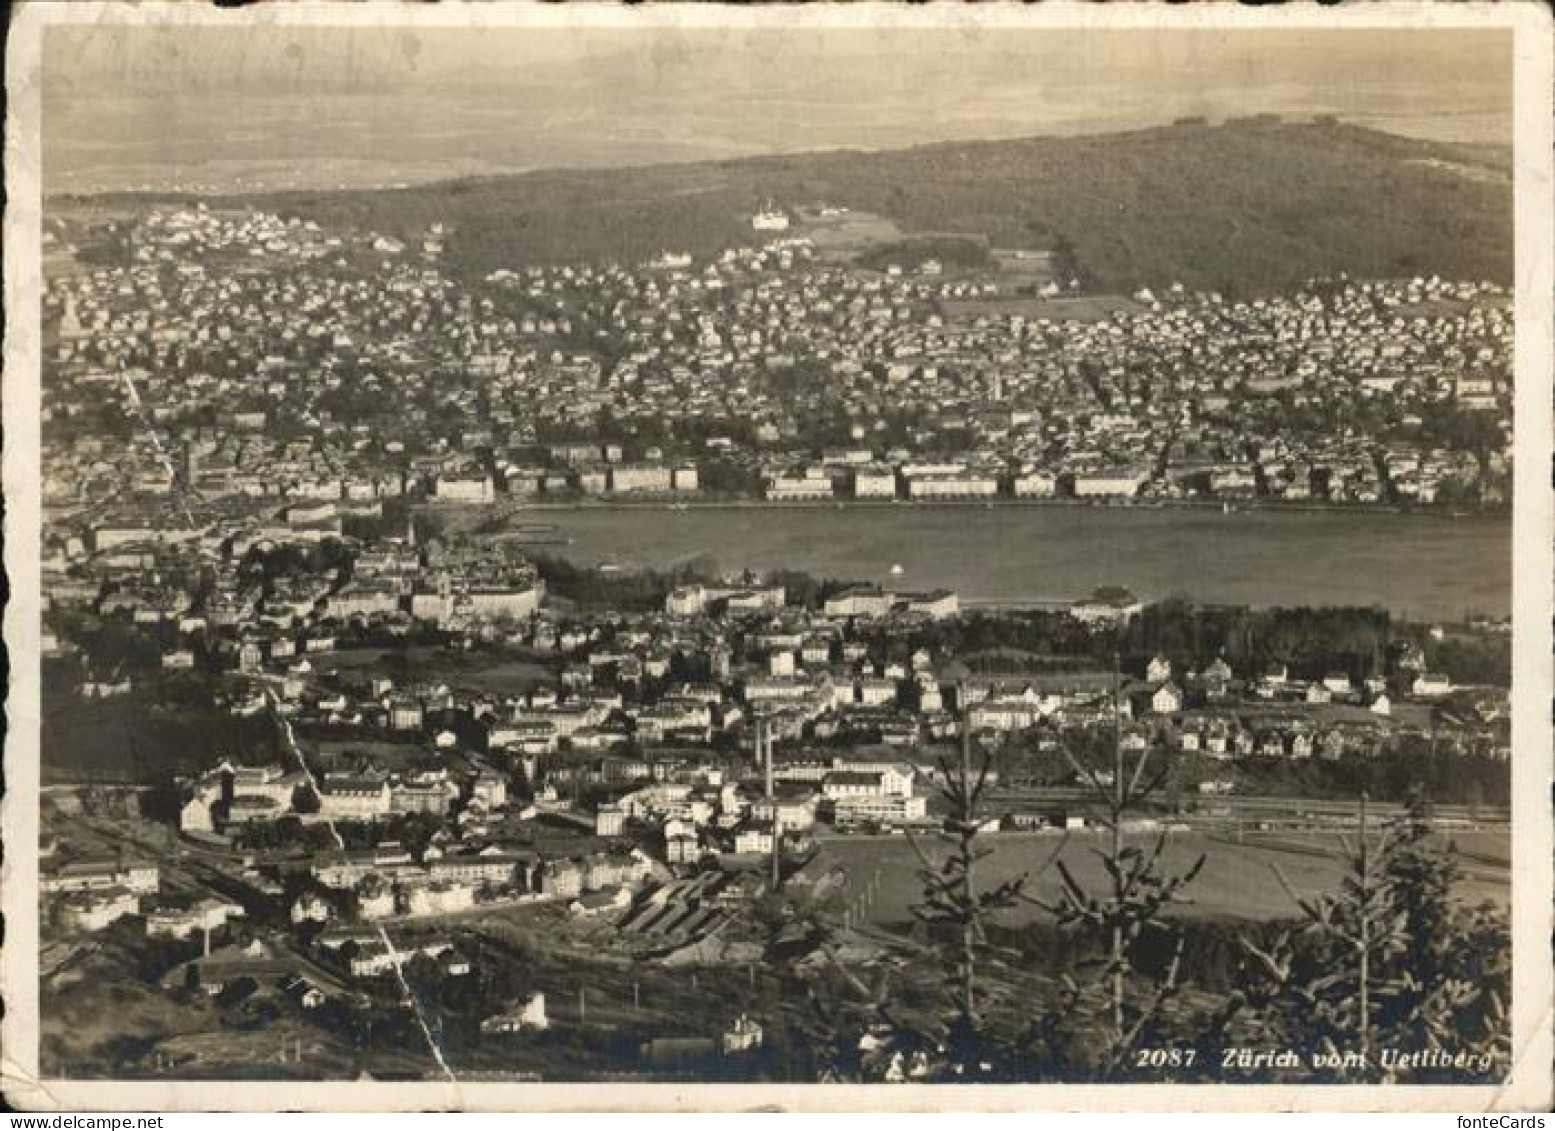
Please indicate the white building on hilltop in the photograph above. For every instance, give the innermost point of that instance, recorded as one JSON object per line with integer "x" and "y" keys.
{"x": 770, "y": 219}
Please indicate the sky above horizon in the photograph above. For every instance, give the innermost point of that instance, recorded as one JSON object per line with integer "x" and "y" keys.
{"x": 222, "y": 109}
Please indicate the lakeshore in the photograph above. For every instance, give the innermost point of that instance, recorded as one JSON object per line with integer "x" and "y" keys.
{"x": 517, "y": 508}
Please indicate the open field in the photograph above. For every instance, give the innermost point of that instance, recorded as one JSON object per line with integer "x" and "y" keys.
{"x": 1237, "y": 881}
{"x": 839, "y": 236}
{"x": 311, "y": 1053}
{"x": 479, "y": 671}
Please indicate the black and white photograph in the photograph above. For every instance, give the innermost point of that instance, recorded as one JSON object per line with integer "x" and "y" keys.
{"x": 856, "y": 549}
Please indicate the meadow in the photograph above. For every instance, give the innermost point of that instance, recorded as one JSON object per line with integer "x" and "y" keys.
{"x": 1237, "y": 883}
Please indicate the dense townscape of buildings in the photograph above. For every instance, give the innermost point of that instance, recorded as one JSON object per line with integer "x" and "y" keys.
{"x": 277, "y": 360}
{"x": 251, "y": 426}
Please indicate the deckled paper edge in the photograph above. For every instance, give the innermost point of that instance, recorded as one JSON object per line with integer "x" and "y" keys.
{"x": 1529, "y": 1086}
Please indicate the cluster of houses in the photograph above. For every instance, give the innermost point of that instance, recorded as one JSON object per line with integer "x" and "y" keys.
{"x": 1214, "y": 713}
{"x": 88, "y": 894}
{"x": 952, "y": 387}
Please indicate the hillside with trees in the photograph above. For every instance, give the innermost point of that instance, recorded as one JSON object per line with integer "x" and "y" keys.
{"x": 1251, "y": 206}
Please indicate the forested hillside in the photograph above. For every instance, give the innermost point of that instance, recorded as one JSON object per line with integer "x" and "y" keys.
{"x": 1247, "y": 207}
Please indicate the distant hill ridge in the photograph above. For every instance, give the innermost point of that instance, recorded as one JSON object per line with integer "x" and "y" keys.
{"x": 1251, "y": 206}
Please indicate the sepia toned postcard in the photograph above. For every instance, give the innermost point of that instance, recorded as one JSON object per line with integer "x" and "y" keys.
{"x": 838, "y": 557}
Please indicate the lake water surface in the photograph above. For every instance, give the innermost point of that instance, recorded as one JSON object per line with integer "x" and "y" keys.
{"x": 1425, "y": 566}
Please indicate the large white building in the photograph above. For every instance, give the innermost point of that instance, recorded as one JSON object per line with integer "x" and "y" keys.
{"x": 965, "y": 486}
{"x": 1105, "y": 482}
{"x": 464, "y": 489}
{"x": 797, "y": 488}
{"x": 609, "y": 820}
{"x": 353, "y": 798}
{"x": 938, "y": 604}
{"x": 640, "y": 478}
{"x": 1034, "y": 485}
{"x": 753, "y": 839}
{"x": 887, "y": 781}
{"x": 100, "y": 875}
{"x": 94, "y": 910}
{"x": 851, "y": 810}
{"x": 1003, "y": 714}
{"x": 859, "y": 601}
{"x": 181, "y": 922}
{"x": 438, "y": 898}
{"x": 874, "y": 483}
{"x": 686, "y": 601}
